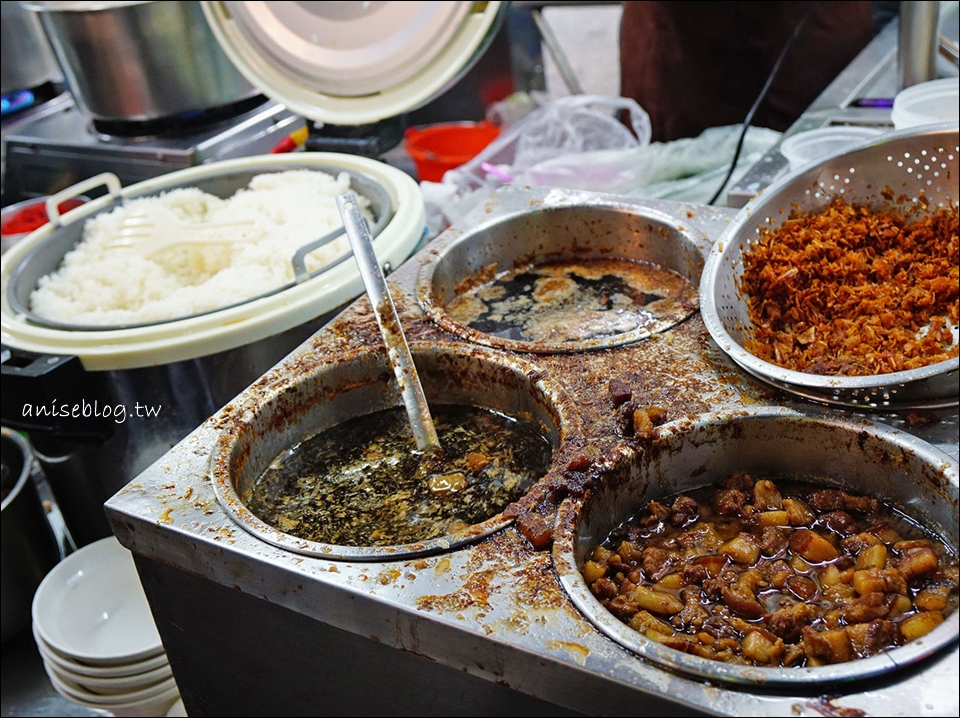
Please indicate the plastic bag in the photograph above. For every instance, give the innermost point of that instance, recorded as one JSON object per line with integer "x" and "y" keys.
{"x": 562, "y": 127}
{"x": 659, "y": 170}
{"x": 568, "y": 125}
{"x": 576, "y": 143}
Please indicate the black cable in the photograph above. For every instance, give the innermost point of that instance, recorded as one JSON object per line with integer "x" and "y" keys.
{"x": 763, "y": 93}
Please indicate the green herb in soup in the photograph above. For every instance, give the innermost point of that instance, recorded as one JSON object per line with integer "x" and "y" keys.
{"x": 363, "y": 483}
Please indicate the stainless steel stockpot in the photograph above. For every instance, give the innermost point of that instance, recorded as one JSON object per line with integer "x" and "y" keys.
{"x": 26, "y": 60}
{"x": 140, "y": 60}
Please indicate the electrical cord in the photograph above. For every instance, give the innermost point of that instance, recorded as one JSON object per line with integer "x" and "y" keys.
{"x": 763, "y": 93}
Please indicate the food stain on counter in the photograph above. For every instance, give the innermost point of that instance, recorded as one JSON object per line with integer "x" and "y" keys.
{"x": 442, "y": 567}
{"x": 388, "y": 576}
{"x": 506, "y": 565}
{"x": 574, "y": 650}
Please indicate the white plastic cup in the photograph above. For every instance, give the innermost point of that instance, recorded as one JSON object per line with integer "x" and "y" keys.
{"x": 804, "y": 147}
{"x": 927, "y": 103}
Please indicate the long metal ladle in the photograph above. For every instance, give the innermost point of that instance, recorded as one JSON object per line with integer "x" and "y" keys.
{"x": 383, "y": 308}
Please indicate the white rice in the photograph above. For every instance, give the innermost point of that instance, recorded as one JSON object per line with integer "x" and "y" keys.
{"x": 102, "y": 285}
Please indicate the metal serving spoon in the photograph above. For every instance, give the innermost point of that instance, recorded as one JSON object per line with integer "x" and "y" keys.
{"x": 403, "y": 367}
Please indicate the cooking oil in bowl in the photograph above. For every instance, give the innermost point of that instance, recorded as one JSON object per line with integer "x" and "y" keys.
{"x": 559, "y": 302}
{"x": 362, "y": 482}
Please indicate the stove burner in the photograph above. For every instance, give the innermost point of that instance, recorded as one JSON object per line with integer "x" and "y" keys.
{"x": 175, "y": 125}
{"x": 15, "y": 101}
{"x": 18, "y": 101}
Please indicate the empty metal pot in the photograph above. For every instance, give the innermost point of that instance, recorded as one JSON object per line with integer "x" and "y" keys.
{"x": 140, "y": 60}
{"x": 25, "y": 57}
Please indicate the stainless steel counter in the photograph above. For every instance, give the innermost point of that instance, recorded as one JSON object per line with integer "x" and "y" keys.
{"x": 486, "y": 629}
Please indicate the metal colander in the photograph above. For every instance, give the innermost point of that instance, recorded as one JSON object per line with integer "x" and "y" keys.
{"x": 919, "y": 165}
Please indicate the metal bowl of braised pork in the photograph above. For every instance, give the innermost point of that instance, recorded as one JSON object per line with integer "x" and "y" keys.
{"x": 770, "y": 547}
{"x": 565, "y": 277}
{"x": 839, "y": 283}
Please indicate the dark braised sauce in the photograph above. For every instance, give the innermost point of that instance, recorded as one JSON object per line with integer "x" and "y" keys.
{"x": 362, "y": 483}
{"x": 775, "y": 574}
{"x": 576, "y": 301}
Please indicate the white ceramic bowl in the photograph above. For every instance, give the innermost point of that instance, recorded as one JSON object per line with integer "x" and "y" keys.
{"x": 75, "y": 691}
{"x": 156, "y": 704}
{"x": 118, "y": 671}
{"x": 804, "y": 147}
{"x": 91, "y": 608}
{"x": 106, "y": 685}
{"x": 926, "y": 103}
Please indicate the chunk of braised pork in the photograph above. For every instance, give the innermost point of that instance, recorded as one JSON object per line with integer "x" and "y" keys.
{"x": 656, "y": 563}
{"x": 868, "y": 607}
{"x": 823, "y": 647}
{"x": 701, "y": 536}
{"x": 825, "y": 500}
{"x": 718, "y": 628}
{"x": 856, "y": 543}
{"x": 657, "y": 512}
{"x": 693, "y": 615}
{"x": 729, "y": 502}
{"x": 788, "y": 622}
{"x": 917, "y": 561}
{"x": 772, "y": 542}
{"x": 874, "y": 637}
{"x": 694, "y": 574}
{"x": 683, "y": 510}
{"x": 741, "y": 597}
{"x": 840, "y": 522}
{"x": 740, "y": 480}
{"x": 766, "y": 496}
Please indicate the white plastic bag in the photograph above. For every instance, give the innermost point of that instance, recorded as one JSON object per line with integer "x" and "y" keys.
{"x": 675, "y": 169}
{"x": 563, "y": 127}
{"x": 577, "y": 143}
{"x": 568, "y": 125}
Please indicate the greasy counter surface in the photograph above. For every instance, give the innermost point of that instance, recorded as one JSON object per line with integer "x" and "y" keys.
{"x": 495, "y": 609}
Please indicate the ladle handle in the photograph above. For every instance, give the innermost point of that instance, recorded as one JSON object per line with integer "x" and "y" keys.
{"x": 403, "y": 367}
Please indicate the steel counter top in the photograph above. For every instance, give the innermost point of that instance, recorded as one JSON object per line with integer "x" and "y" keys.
{"x": 495, "y": 609}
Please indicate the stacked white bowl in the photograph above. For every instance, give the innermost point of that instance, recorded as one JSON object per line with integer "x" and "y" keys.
{"x": 97, "y": 636}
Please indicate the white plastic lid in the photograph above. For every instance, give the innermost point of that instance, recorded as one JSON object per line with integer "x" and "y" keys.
{"x": 804, "y": 147}
{"x": 926, "y": 103}
{"x": 204, "y": 334}
{"x": 351, "y": 63}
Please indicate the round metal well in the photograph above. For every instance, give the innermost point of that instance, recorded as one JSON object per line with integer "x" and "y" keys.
{"x": 866, "y": 458}
{"x": 362, "y": 383}
{"x": 565, "y": 278}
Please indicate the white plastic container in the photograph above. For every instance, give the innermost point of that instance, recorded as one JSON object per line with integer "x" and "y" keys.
{"x": 804, "y": 147}
{"x": 927, "y": 103}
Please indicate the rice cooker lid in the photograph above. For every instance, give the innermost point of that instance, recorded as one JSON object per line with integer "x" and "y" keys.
{"x": 352, "y": 63}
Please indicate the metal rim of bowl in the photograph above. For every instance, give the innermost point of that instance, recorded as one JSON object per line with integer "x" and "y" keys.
{"x": 568, "y": 571}
{"x": 879, "y": 391}
{"x": 438, "y": 314}
{"x": 229, "y": 499}
{"x": 365, "y": 185}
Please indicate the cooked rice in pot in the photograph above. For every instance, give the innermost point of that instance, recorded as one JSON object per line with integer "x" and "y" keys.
{"x": 101, "y": 285}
